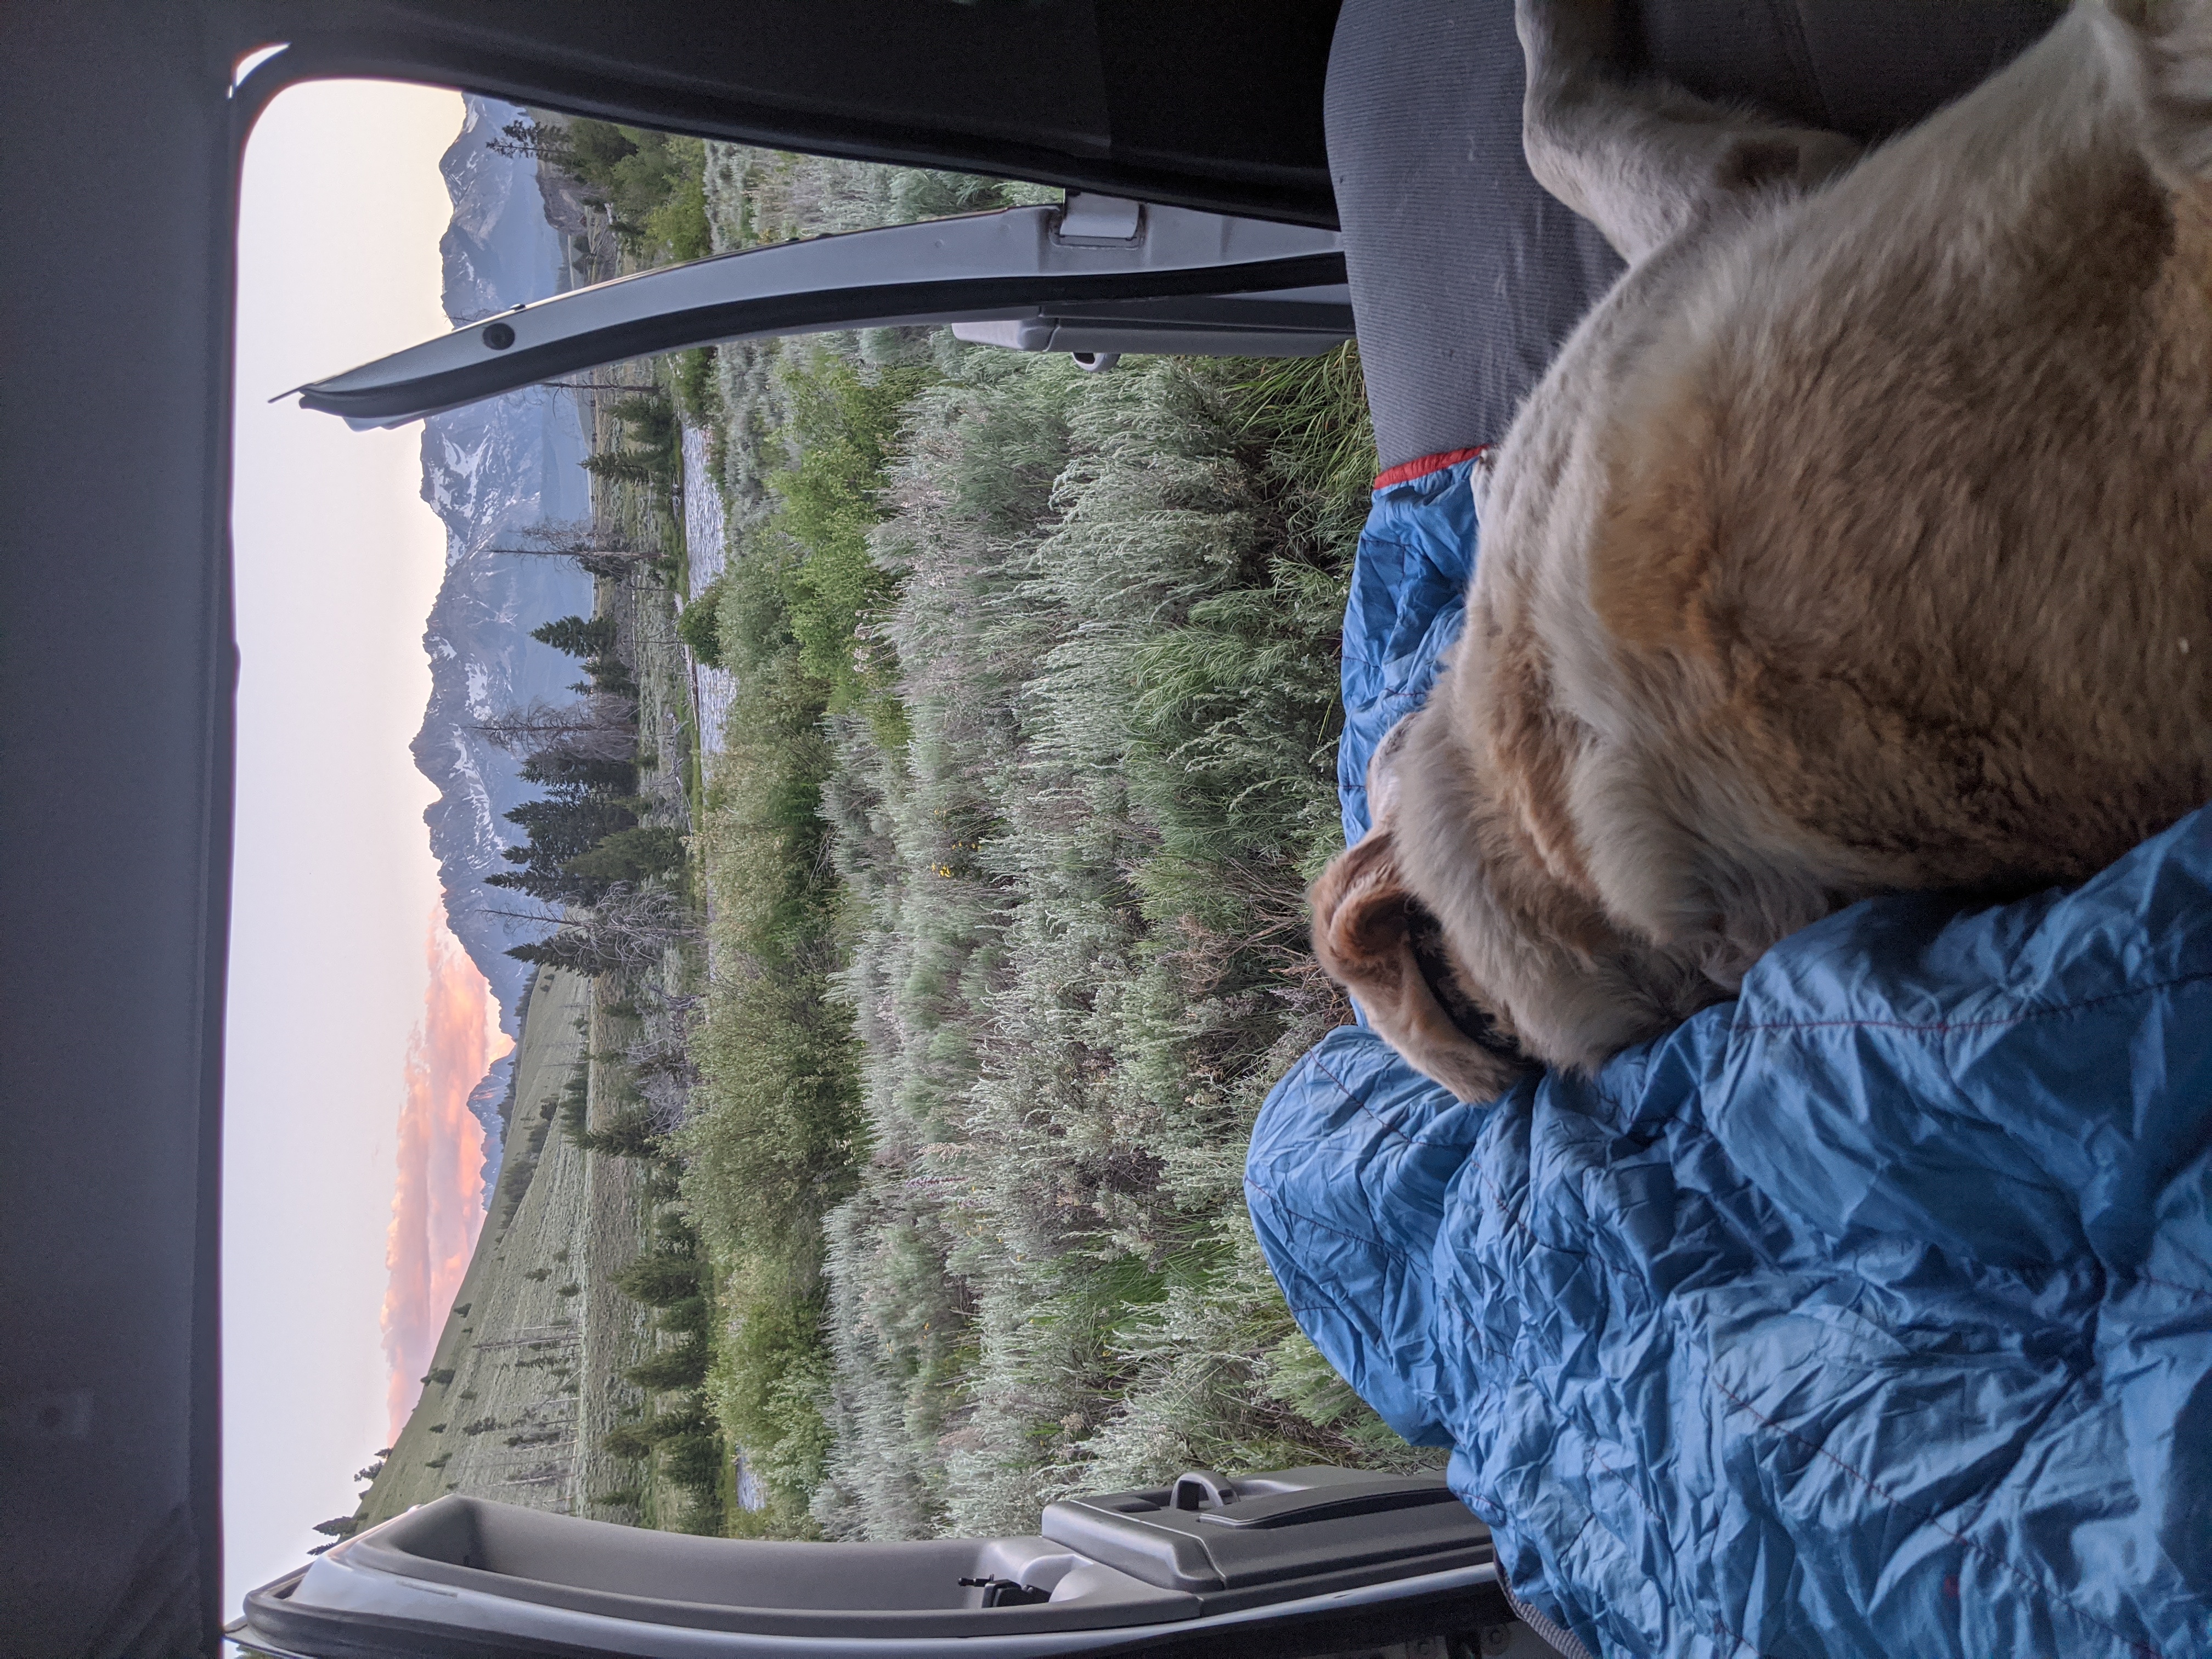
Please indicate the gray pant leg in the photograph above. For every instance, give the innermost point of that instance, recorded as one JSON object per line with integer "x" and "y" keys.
{"x": 1466, "y": 274}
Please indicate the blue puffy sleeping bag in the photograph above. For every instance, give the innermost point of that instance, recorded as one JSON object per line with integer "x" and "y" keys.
{"x": 1867, "y": 1314}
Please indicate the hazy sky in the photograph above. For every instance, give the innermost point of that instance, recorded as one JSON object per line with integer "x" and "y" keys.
{"x": 352, "y": 1018}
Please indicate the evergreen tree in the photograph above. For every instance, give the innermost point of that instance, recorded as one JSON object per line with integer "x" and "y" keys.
{"x": 631, "y": 1132}
{"x": 660, "y": 1278}
{"x": 568, "y": 947}
{"x": 618, "y": 466}
{"x": 525, "y": 136}
{"x": 561, "y": 829}
{"x": 633, "y": 856}
{"x": 610, "y": 675}
{"x": 681, "y": 1367}
{"x": 578, "y": 636}
{"x": 550, "y": 886}
{"x": 557, "y": 769}
{"x": 688, "y": 1317}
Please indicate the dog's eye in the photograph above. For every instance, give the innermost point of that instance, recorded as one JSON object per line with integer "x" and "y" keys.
{"x": 1433, "y": 957}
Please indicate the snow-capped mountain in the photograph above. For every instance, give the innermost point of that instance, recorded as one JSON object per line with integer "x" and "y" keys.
{"x": 493, "y": 470}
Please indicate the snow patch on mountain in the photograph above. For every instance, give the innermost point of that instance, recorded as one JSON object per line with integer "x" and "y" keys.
{"x": 493, "y": 470}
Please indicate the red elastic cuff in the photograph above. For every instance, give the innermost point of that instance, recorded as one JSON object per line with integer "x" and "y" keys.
{"x": 1407, "y": 471}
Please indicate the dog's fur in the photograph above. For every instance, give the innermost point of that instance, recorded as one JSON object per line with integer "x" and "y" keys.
{"x": 1860, "y": 540}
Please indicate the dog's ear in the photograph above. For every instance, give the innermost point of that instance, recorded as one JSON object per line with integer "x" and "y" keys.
{"x": 1365, "y": 921}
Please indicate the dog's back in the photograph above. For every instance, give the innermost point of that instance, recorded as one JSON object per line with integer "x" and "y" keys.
{"x": 1861, "y": 540}
{"x": 1913, "y": 499}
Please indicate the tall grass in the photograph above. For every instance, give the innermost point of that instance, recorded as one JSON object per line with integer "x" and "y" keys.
{"x": 1077, "y": 954}
{"x": 1023, "y": 959}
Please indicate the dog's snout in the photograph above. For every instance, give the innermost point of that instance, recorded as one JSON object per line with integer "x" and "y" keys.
{"x": 1440, "y": 971}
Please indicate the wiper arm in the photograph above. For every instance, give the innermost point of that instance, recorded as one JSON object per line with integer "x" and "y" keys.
{"x": 1094, "y": 275}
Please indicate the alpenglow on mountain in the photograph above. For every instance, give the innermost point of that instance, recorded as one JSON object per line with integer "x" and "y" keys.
{"x": 493, "y": 470}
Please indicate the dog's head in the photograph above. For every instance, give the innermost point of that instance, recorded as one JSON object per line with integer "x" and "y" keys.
{"x": 1472, "y": 946}
{"x": 1388, "y": 950}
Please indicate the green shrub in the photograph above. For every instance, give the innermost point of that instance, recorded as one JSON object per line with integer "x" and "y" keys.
{"x": 683, "y": 1366}
{"x": 1032, "y": 760}
{"x": 699, "y": 625}
{"x": 844, "y": 427}
{"x": 645, "y": 853}
{"x": 694, "y": 384}
{"x": 767, "y": 1386}
{"x": 658, "y": 1279}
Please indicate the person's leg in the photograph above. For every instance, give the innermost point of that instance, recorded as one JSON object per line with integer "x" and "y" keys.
{"x": 1466, "y": 273}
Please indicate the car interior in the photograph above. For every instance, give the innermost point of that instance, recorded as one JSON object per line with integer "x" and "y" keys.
{"x": 1198, "y": 218}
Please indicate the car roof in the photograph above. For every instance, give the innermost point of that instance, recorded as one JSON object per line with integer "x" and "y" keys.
{"x": 123, "y": 132}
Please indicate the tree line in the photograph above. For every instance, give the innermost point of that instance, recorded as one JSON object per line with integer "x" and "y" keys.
{"x": 592, "y": 866}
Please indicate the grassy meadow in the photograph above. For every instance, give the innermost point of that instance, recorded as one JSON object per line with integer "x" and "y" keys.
{"x": 1032, "y": 758}
{"x": 986, "y": 937}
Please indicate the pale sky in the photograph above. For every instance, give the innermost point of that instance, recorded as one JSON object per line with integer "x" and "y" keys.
{"x": 336, "y": 922}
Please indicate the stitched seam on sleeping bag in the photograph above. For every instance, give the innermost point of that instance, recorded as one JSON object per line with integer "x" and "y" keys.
{"x": 1867, "y": 1482}
{"x": 1945, "y": 1025}
{"x": 1473, "y": 1334}
{"x": 1928, "y": 1519}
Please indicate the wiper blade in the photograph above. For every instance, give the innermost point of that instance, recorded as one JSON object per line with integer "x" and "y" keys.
{"x": 1159, "y": 274}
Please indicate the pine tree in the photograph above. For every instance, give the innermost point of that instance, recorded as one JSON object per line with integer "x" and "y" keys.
{"x": 660, "y": 1278}
{"x": 578, "y": 636}
{"x": 631, "y": 1132}
{"x": 525, "y": 136}
{"x": 681, "y": 1367}
{"x": 618, "y": 466}
{"x": 562, "y": 829}
{"x": 558, "y": 769}
{"x": 568, "y": 947}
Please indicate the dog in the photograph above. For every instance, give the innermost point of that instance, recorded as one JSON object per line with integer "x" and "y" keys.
{"x": 1859, "y": 541}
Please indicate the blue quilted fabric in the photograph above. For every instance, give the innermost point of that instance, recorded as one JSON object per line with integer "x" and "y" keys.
{"x": 1408, "y": 599}
{"x": 1868, "y": 1315}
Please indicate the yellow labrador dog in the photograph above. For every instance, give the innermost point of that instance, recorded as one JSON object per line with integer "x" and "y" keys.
{"x": 1860, "y": 540}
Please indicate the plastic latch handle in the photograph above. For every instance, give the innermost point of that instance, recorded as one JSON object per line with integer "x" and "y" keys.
{"x": 1197, "y": 1488}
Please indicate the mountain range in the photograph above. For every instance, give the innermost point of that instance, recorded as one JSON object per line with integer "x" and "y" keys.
{"x": 492, "y": 471}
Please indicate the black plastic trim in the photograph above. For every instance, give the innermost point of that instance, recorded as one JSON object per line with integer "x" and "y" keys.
{"x": 1295, "y": 1508}
{"x": 803, "y": 312}
{"x": 1289, "y": 193}
{"x": 319, "y": 1635}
